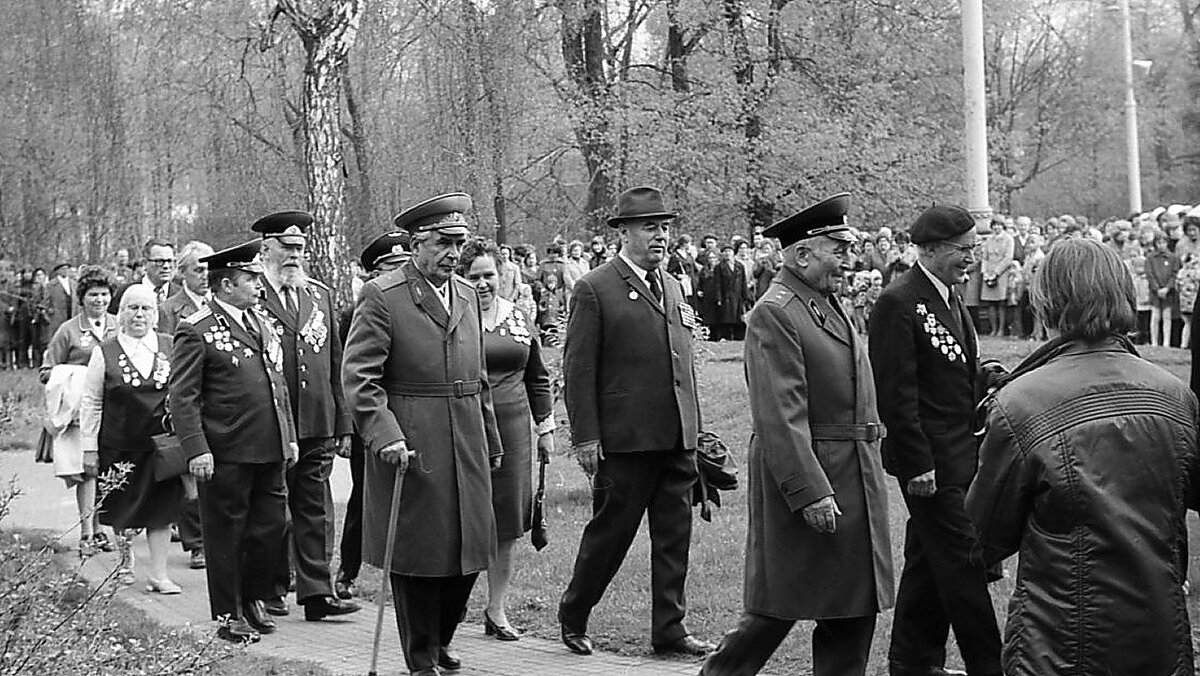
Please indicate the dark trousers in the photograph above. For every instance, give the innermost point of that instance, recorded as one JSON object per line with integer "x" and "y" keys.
{"x": 242, "y": 511}
{"x": 309, "y": 536}
{"x": 841, "y": 646}
{"x": 351, "y": 545}
{"x": 942, "y": 587}
{"x": 191, "y": 535}
{"x": 626, "y": 486}
{"x": 428, "y": 612}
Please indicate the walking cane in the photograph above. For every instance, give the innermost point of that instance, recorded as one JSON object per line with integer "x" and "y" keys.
{"x": 389, "y": 549}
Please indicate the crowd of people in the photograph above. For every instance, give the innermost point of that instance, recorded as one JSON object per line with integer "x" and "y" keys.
{"x": 217, "y": 386}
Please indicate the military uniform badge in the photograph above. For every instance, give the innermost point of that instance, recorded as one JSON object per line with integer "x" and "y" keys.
{"x": 939, "y": 336}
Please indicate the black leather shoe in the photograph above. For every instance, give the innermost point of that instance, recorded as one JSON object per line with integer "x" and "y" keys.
{"x": 237, "y": 631}
{"x": 686, "y": 645}
{"x": 345, "y": 589}
{"x": 501, "y": 632}
{"x": 431, "y": 671}
{"x": 900, "y": 669}
{"x": 320, "y": 607}
{"x": 256, "y": 616}
{"x": 578, "y": 643}
{"x": 276, "y": 606}
{"x": 448, "y": 660}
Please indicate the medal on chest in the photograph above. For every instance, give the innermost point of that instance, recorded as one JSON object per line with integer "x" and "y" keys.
{"x": 939, "y": 336}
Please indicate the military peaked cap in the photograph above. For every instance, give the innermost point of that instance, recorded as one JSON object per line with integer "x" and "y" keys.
{"x": 289, "y": 227}
{"x": 445, "y": 213}
{"x": 389, "y": 245}
{"x": 827, "y": 217}
{"x": 241, "y": 257}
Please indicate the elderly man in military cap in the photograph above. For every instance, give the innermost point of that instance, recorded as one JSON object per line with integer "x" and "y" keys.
{"x": 416, "y": 384}
{"x": 300, "y": 313}
{"x": 925, "y": 356}
{"x": 818, "y": 546}
{"x": 229, "y": 405}
{"x": 630, "y": 390}
{"x": 384, "y": 254}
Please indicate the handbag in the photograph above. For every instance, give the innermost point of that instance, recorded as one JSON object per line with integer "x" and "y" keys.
{"x": 538, "y": 536}
{"x": 169, "y": 459}
{"x": 716, "y": 471}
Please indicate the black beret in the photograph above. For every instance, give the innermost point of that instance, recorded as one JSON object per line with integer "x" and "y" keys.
{"x": 444, "y": 213}
{"x": 827, "y": 217}
{"x": 386, "y": 246}
{"x": 241, "y": 257}
{"x": 940, "y": 222}
{"x": 289, "y": 227}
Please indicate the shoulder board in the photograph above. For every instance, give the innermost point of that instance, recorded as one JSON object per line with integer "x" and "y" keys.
{"x": 462, "y": 281}
{"x": 778, "y": 294}
{"x": 317, "y": 283}
{"x": 199, "y": 315}
{"x": 390, "y": 280}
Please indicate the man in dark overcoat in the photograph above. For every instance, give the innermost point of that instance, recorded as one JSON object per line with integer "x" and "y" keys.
{"x": 416, "y": 384}
{"x": 630, "y": 392}
{"x": 192, "y": 296}
{"x": 732, "y": 295}
{"x": 818, "y": 546}
{"x": 300, "y": 313}
{"x": 61, "y": 293}
{"x": 924, "y": 353}
{"x": 230, "y": 409}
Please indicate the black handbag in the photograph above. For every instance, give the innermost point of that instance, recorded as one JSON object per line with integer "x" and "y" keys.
{"x": 539, "y": 536}
{"x": 716, "y": 471}
{"x": 169, "y": 459}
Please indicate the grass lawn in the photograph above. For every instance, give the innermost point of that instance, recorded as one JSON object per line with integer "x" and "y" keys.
{"x": 622, "y": 620}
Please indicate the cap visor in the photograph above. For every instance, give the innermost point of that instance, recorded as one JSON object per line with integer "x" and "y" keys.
{"x": 292, "y": 240}
{"x": 842, "y": 235}
{"x": 453, "y": 230}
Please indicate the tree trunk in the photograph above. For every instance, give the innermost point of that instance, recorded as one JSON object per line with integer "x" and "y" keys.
{"x": 364, "y": 207}
{"x": 583, "y": 57}
{"x": 327, "y": 40}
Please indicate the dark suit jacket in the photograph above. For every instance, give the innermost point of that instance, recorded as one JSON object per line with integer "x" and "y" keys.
{"x": 62, "y": 303}
{"x": 630, "y": 380}
{"x": 925, "y": 367}
{"x": 312, "y": 360}
{"x": 174, "y": 309}
{"x": 731, "y": 290}
{"x": 227, "y": 394}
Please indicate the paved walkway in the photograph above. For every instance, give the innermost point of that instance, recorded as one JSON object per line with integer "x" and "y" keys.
{"x": 342, "y": 647}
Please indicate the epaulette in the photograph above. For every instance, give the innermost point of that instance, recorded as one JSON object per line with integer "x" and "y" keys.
{"x": 317, "y": 282}
{"x": 198, "y": 316}
{"x": 778, "y": 295}
{"x": 390, "y": 279}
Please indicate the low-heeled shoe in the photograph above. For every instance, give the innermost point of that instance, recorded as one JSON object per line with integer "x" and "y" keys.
{"x": 320, "y": 607}
{"x": 686, "y": 645}
{"x": 277, "y": 606}
{"x": 238, "y": 631}
{"x": 501, "y": 632}
{"x": 256, "y": 616}
{"x": 578, "y": 643}
{"x": 448, "y": 660}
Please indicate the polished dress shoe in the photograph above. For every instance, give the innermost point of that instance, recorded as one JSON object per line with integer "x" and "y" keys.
{"x": 276, "y": 606}
{"x": 320, "y": 607}
{"x": 197, "y": 562}
{"x": 257, "y": 617}
{"x": 900, "y": 669}
{"x": 237, "y": 631}
{"x": 577, "y": 642}
{"x": 448, "y": 660}
{"x": 686, "y": 645}
{"x": 431, "y": 671}
{"x": 503, "y": 632}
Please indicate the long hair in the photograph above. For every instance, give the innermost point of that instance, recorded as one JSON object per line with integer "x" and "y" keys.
{"x": 1084, "y": 291}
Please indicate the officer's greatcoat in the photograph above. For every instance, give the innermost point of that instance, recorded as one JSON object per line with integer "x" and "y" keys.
{"x": 815, "y": 434}
{"x": 412, "y": 371}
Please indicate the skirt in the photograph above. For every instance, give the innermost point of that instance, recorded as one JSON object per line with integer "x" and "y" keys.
{"x": 140, "y": 502}
{"x": 512, "y": 484}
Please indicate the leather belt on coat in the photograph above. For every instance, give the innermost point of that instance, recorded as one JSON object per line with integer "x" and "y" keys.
{"x": 864, "y": 432}
{"x": 457, "y": 389}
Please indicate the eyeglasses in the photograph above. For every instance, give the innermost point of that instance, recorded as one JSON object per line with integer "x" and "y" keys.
{"x": 161, "y": 261}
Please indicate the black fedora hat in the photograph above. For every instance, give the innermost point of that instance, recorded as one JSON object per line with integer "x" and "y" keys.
{"x": 640, "y": 202}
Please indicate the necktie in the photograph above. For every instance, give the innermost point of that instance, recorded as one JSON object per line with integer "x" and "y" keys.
{"x": 653, "y": 285}
{"x": 289, "y": 295}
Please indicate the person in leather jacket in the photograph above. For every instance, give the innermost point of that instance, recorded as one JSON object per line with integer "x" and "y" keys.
{"x": 1087, "y": 468}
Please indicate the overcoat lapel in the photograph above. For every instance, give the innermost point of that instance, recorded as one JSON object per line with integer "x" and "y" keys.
{"x": 424, "y": 296}
{"x": 928, "y": 294}
{"x": 235, "y": 327}
{"x": 274, "y": 304}
{"x": 637, "y": 284}
{"x": 818, "y": 306}
{"x": 307, "y": 305}
{"x": 458, "y": 307}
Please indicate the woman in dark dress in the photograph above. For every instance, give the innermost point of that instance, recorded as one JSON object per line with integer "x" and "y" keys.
{"x": 521, "y": 396}
{"x": 124, "y": 402}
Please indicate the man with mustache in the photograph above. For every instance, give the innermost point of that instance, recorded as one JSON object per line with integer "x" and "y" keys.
{"x": 925, "y": 356}
{"x": 300, "y": 312}
{"x": 630, "y": 392}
